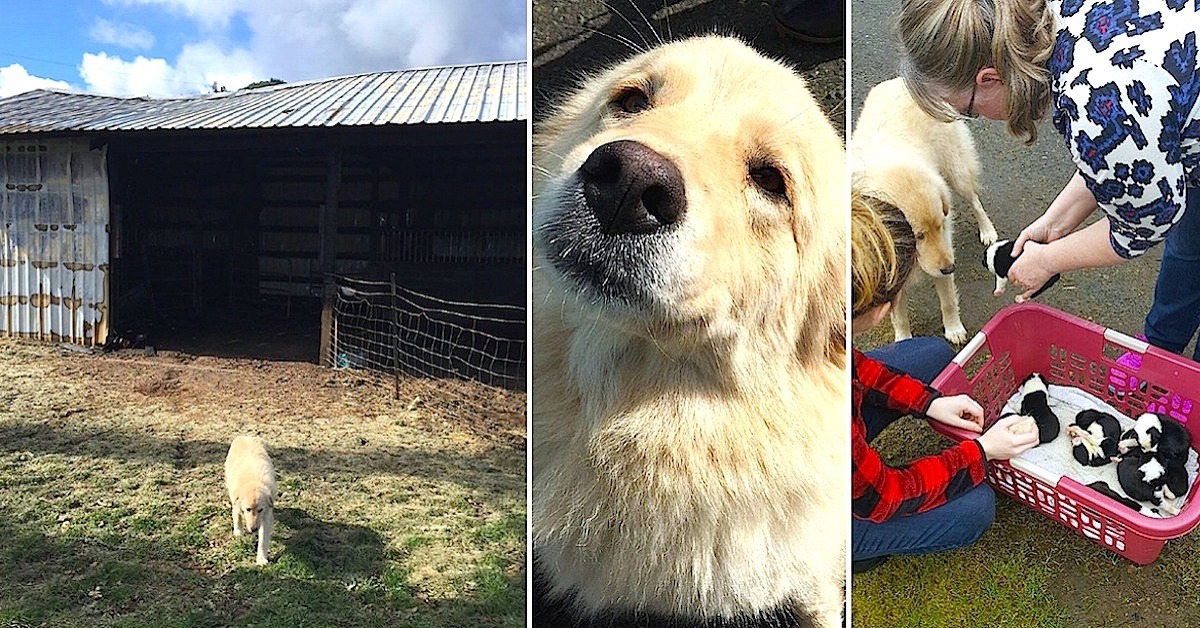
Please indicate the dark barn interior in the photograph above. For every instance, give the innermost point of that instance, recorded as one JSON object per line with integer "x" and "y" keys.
{"x": 221, "y": 244}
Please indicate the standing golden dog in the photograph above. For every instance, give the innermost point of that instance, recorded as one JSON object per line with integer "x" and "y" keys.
{"x": 690, "y": 455}
{"x": 250, "y": 478}
{"x": 903, "y": 156}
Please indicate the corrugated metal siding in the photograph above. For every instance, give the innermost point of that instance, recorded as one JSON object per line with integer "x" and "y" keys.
{"x": 476, "y": 93}
{"x": 54, "y": 247}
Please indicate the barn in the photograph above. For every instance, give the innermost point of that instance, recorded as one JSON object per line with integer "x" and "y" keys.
{"x": 234, "y": 223}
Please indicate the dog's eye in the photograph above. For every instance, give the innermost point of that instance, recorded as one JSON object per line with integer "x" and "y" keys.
{"x": 769, "y": 179}
{"x": 919, "y": 236}
{"x": 631, "y": 100}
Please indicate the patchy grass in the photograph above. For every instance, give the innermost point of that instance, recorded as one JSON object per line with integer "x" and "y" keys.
{"x": 1025, "y": 571}
{"x": 113, "y": 513}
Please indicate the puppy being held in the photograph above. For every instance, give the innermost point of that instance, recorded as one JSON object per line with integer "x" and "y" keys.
{"x": 250, "y": 479}
{"x": 689, "y": 369}
{"x": 998, "y": 259}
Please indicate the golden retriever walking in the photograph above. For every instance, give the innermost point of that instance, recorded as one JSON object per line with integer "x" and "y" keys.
{"x": 901, "y": 155}
{"x": 690, "y": 449}
{"x": 250, "y": 478}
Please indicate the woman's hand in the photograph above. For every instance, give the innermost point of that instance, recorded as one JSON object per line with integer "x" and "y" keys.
{"x": 1031, "y": 271}
{"x": 1045, "y": 229}
{"x": 1000, "y": 443}
{"x": 958, "y": 411}
{"x": 1068, "y": 210}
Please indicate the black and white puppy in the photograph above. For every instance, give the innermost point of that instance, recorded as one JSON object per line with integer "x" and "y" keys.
{"x": 1157, "y": 433}
{"x": 1104, "y": 489}
{"x": 1094, "y": 436}
{"x": 998, "y": 259}
{"x": 1144, "y": 478}
{"x": 1035, "y": 402}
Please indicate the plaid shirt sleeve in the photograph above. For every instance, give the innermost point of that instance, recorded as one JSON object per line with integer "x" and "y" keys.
{"x": 881, "y": 492}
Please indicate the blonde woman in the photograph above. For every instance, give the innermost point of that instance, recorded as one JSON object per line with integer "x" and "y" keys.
{"x": 1119, "y": 81}
{"x": 938, "y": 502}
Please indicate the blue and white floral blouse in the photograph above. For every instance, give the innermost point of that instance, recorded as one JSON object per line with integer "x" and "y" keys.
{"x": 1125, "y": 82}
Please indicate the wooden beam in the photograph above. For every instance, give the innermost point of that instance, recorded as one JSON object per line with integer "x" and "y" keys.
{"x": 325, "y": 357}
{"x": 329, "y": 213}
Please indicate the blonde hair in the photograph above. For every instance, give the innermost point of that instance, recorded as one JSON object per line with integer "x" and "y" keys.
{"x": 883, "y": 251}
{"x": 944, "y": 43}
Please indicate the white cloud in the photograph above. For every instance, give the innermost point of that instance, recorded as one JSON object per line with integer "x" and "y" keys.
{"x": 114, "y": 76}
{"x": 198, "y": 67}
{"x": 304, "y": 39}
{"x": 15, "y": 79}
{"x": 120, "y": 34}
{"x": 297, "y": 40}
{"x": 208, "y": 13}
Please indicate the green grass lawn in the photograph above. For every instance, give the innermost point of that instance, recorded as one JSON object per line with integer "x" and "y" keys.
{"x": 1026, "y": 570}
{"x": 406, "y": 512}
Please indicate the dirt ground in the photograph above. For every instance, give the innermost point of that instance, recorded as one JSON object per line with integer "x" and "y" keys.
{"x": 1025, "y": 566}
{"x": 409, "y": 507}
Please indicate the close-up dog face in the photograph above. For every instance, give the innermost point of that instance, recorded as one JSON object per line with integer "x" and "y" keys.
{"x": 687, "y": 186}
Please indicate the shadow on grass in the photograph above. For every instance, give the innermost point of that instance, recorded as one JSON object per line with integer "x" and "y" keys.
{"x": 465, "y": 470}
{"x": 331, "y": 550}
{"x": 329, "y": 575}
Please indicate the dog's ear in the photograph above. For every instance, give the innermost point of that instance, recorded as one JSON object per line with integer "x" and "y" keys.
{"x": 947, "y": 197}
{"x": 823, "y": 328}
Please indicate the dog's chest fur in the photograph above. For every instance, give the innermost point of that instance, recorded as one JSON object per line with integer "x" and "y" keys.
{"x": 681, "y": 485}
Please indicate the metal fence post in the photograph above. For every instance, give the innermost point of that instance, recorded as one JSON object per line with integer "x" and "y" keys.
{"x": 395, "y": 341}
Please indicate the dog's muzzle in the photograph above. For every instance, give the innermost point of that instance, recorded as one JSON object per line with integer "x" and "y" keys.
{"x": 613, "y": 220}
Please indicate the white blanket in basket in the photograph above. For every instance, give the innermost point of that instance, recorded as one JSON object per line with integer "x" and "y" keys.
{"x": 1055, "y": 458}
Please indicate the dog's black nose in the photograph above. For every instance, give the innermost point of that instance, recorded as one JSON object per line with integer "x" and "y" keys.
{"x": 632, "y": 189}
{"x": 948, "y": 270}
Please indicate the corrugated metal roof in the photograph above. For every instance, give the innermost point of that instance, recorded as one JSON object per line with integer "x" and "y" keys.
{"x": 468, "y": 93}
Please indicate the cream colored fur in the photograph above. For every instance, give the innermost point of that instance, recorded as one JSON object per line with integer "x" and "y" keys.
{"x": 901, "y": 155}
{"x": 691, "y": 457}
{"x": 250, "y": 479}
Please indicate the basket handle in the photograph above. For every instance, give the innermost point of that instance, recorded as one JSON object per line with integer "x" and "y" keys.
{"x": 971, "y": 349}
{"x": 1126, "y": 341}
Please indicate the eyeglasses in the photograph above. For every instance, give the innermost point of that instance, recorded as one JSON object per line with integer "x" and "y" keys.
{"x": 971, "y": 113}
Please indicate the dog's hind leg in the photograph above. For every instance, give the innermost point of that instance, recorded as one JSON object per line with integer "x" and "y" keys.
{"x": 900, "y": 323}
{"x": 951, "y": 320}
{"x": 264, "y": 536}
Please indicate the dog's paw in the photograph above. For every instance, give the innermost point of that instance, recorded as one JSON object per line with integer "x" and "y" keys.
{"x": 901, "y": 335}
{"x": 956, "y": 334}
{"x": 261, "y": 560}
{"x": 988, "y": 236}
{"x": 238, "y": 532}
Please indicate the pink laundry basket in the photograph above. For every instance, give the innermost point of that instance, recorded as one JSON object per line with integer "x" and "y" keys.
{"x": 1069, "y": 351}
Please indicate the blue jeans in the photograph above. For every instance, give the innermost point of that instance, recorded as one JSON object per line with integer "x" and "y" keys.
{"x": 956, "y": 523}
{"x": 1175, "y": 314}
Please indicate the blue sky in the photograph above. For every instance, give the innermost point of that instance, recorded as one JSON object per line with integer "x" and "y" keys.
{"x": 174, "y": 47}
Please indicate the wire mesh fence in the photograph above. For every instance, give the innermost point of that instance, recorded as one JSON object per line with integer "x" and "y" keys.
{"x": 385, "y": 327}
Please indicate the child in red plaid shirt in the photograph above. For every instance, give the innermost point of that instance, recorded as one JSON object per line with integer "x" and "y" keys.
{"x": 938, "y": 502}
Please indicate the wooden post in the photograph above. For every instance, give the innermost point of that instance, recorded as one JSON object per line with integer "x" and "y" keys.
{"x": 327, "y": 255}
{"x": 328, "y": 295}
